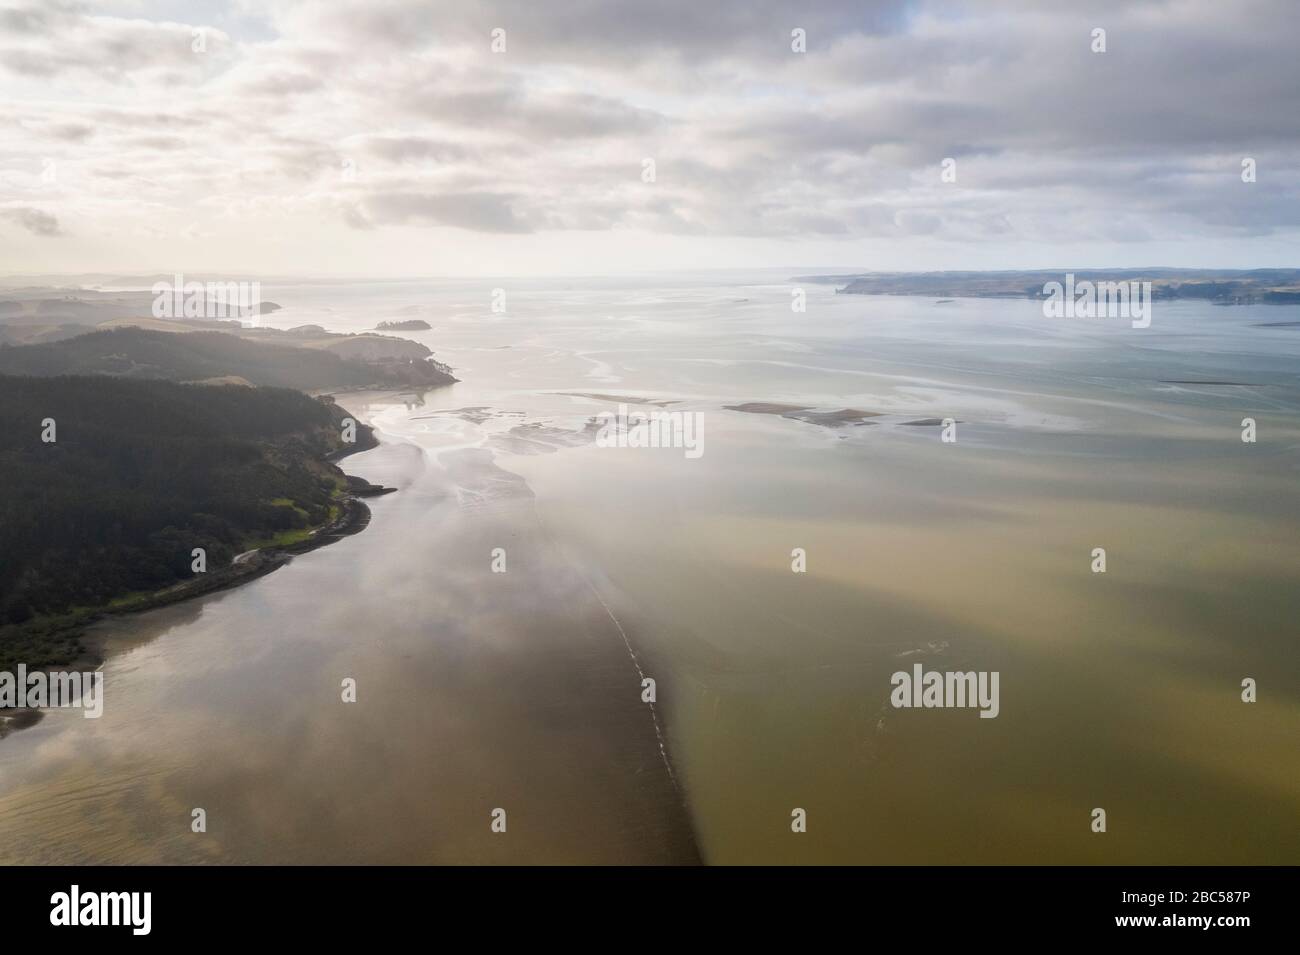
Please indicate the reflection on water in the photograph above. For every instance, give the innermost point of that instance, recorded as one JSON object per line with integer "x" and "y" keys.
{"x": 479, "y": 690}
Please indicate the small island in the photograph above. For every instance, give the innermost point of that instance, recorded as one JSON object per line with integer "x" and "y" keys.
{"x": 409, "y": 325}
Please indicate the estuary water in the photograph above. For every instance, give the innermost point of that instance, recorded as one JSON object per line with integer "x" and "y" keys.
{"x": 504, "y": 610}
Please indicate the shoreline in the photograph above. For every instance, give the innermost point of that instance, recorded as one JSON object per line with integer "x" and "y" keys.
{"x": 353, "y": 518}
{"x": 532, "y": 717}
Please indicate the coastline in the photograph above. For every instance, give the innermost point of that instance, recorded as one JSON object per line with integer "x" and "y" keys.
{"x": 353, "y": 517}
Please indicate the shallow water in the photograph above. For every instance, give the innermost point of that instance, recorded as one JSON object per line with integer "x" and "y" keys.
{"x": 522, "y": 690}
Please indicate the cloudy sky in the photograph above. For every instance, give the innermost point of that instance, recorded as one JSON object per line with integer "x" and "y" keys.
{"x": 387, "y": 137}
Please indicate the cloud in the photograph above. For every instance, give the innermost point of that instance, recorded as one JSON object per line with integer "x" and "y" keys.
{"x": 33, "y": 220}
{"x": 599, "y": 31}
{"x": 396, "y": 113}
{"x": 54, "y": 39}
{"x": 401, "y": 149}
{"x": 480, "y": 212}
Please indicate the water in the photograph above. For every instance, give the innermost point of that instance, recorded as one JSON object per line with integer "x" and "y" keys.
{"x": 522, "y": 691}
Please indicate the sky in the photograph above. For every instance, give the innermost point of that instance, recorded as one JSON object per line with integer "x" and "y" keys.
{"x": 422, "y": 137}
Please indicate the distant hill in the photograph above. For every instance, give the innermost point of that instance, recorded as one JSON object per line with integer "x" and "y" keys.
{"x": 68, "y": 306}
{"x": 90, "y": 306}
{"x": 1222, "y": 286}
{"x": 37, "y": 315}
{"x": 407, "y": 325}
{"x": 31, "y": 333}
{"x": 201, "y": 355}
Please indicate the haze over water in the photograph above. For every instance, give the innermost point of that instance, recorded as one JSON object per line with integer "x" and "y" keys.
{"x": 522, "y": 690}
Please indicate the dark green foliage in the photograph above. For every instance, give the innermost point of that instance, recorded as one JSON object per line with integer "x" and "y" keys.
{"x": 141, "y": 473}
{"x": 188, "y": 356}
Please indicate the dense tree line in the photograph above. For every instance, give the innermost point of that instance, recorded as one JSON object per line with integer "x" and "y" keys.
{"x": 192, "y": 356}
{"x": 141, "y": 472}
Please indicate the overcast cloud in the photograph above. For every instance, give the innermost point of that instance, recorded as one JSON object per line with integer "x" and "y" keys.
{"x": 387, "y": 136}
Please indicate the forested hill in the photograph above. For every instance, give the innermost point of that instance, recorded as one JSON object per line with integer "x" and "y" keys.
{"x": 1221, "y": 286}
{"x": 199, "y": 356}
{"x": 138, "y": 474}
